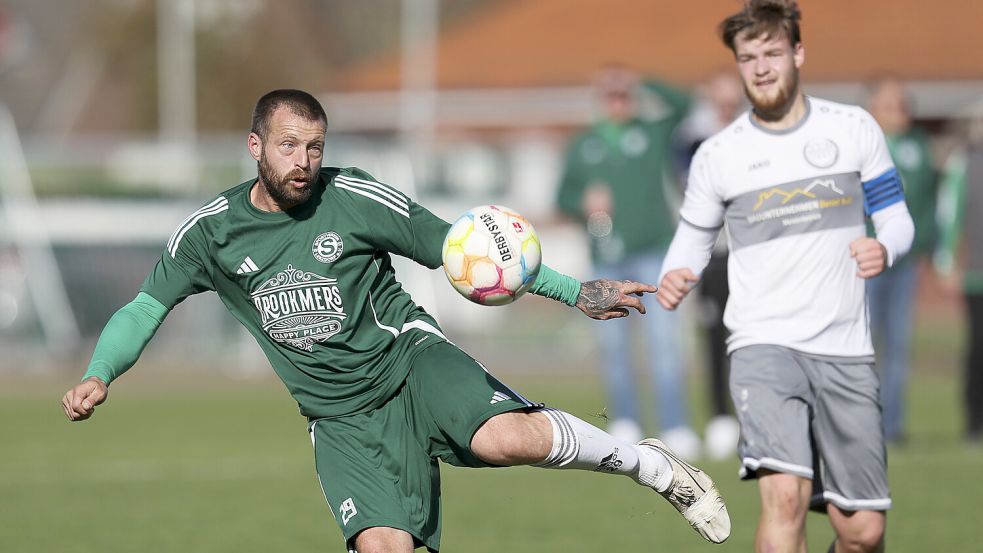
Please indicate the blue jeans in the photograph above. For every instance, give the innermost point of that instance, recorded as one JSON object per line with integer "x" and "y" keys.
{"x": 892, "y": 300}
{"x": 661, "y": 334}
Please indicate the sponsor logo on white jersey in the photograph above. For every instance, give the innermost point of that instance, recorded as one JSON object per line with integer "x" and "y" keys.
{"x": 821, "y": 152}
{"x": 327, "y": 247}
{"x": 796, "y": 191}
{"x": 299, "y": 308}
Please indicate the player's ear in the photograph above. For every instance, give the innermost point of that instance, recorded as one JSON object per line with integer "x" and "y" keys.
{"x": 799, "y": 54}
{"x": 255, "y": 145}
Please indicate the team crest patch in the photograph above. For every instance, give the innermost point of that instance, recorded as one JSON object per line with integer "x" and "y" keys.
{"x": 299, "y": 308}
{"x": 327, "y": 247}
{"x": 821, "y": 152}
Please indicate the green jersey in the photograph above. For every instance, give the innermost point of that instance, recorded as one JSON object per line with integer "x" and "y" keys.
{"x": 315, "y": 285}
{"x": 912, "y": 156}
{"x": 632, "y": 159}
{"x": 962, "y": 229}
{"x": 913, "y": 159}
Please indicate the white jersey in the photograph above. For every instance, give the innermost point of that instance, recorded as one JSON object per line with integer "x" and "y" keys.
{"x": 791, "y": 202}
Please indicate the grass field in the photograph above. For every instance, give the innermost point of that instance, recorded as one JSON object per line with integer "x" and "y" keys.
{"x": 227, "y": 467}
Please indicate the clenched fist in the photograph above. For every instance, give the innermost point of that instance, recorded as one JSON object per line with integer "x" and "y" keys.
{"x": 870, "y": 255}
{"x": 674, "y": 287}
{"x": 80, "y": 402}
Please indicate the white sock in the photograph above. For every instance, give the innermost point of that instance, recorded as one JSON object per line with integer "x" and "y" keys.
{"x": 654, "y": 469}
{"x": 579, "y": 445}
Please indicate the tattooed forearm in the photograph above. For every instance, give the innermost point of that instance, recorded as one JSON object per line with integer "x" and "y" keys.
{"x": 598, "y": 296}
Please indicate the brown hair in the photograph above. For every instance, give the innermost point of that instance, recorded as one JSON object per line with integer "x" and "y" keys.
{"x": 762, "y": 18}
{"x": 299, "y": 102}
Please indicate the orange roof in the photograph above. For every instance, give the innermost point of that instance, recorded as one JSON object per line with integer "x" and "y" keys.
{"x": 530, "y": 43}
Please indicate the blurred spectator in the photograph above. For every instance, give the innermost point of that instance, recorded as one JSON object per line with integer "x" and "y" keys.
{"x": 962, "y": 232}
{"x": 614, "y": 182}
{"x": 892, "y": 293}
{"x": 721, "y": 102}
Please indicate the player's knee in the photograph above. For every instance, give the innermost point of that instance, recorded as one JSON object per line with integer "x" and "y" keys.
{"x": 865, "y": 538}
{"x": 783, "y": 499}
{"x": 786, "y": 509}
{"x": 514, "y": 438}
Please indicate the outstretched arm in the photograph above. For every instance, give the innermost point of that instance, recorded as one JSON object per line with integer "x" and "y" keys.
{"x": 598, "y": 299}
{"x": 611, "y": 299}
{"x": 120, "y": 345}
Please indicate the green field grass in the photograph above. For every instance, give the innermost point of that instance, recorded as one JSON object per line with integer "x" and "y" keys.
{"x": 227, "y": 467}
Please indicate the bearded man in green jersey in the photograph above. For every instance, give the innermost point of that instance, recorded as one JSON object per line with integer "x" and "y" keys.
{"x": 301, "y": 257}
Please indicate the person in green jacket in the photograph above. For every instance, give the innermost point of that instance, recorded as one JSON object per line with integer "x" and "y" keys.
{"x": 892, "y": 293}
{"x": 616, "y": 183}
{"x": 960, "y": 258}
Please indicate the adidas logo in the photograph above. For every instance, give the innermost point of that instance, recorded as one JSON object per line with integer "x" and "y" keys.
{"x": 248, "y": 266}
{"x": 611, "y": 463}
{"x": 498, "y": 396}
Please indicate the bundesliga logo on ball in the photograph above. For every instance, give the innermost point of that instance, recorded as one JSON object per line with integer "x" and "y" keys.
{"x": 491, "y": 255}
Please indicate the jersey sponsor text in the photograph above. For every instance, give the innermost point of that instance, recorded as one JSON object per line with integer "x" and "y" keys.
{"x": 299, "y": 308}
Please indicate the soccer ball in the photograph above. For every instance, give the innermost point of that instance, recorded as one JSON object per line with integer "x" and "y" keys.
{"x": 491, "y": 255}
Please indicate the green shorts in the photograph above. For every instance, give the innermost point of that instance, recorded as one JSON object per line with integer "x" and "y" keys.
{"x": 379, "y": 468}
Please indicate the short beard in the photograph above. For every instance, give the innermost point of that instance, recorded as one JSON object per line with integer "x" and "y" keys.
{"x": 775, "y": 108}
{"x": 279, "y": 188}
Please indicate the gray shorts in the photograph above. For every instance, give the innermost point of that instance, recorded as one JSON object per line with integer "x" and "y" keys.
{"x": 815, "y": 417}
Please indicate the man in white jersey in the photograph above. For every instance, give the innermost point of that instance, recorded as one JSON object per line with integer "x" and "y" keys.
{"x": 791, "y": 181}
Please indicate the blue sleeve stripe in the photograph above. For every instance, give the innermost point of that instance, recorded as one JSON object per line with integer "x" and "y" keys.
{"x": 883, "y": 191}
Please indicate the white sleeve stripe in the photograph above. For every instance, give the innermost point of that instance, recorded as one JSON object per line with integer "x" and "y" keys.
{"x": 200, "y": 216}
{"x": 375, "y": 187}
{"x": 383, "y": 191}
{"x": 401, "y": 210}
{"x": 215, "y": 203}
{"x": 190, "y": 221}
{"x": 376, "y": 184}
